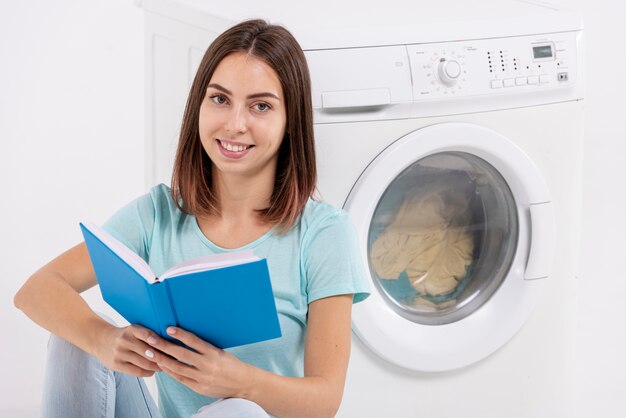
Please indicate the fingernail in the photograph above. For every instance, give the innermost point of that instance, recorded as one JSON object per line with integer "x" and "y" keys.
{"x": 171, "y": 330}
{"x": 152, "y": 340}
{"x": 149, "y": 354}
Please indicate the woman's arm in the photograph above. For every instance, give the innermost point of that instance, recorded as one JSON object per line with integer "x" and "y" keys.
{"x": 51, "y": 298}
{"x": 217, "y": 373}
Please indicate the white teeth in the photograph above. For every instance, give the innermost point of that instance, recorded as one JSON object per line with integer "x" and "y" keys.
{"x": 233, "y": 148}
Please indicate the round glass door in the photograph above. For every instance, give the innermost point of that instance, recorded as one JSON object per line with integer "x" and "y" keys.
{"x": 442, "y": 237}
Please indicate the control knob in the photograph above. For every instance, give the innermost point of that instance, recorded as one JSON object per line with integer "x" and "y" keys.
{"x": 449, "y": 71}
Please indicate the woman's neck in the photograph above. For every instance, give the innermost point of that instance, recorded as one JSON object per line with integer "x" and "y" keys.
{"x": 239, "y": 197}
{"x": 238, "y": 222}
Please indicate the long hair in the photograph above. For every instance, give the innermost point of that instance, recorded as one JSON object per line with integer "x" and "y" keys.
{"x": 296, "y": 176}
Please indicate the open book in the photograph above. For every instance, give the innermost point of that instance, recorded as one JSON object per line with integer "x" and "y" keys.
{"x": 225, "y": 299}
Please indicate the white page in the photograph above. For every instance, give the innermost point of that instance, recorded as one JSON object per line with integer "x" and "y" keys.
{"x": 211, "y": 262}
{"x": 125, "y": 253}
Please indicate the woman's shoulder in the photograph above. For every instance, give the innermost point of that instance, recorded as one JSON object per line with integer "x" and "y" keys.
{"x": 163, "y": 201}
{"x": 146, "y": 207}
{"x": 160, "y": 193}
{"x": 317, "y": 209}
{"x": 318, "y": 214}
{"x": 155, "y": 206}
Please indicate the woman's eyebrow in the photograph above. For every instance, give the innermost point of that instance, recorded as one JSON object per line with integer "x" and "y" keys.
{"x": 220, "y": 88}
{"x": 251, "y": 96}
{"x": 266, "y": 94}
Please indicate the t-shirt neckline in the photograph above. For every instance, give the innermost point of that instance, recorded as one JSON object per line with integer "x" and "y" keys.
{"x": 216, "y": 247}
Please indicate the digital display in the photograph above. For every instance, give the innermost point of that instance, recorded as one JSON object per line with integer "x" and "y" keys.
{"x": 543, "y": 51}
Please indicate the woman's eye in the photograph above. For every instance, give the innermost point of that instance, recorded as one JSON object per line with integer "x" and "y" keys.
{"x": 218, "y": 99}
{"x": 262, "y": 107}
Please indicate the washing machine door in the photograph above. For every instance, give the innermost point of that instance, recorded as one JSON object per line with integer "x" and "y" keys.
{"x": 456, "y": 226}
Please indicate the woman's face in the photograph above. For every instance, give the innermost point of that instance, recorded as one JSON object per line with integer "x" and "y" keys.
{"x": 242, "y": 117}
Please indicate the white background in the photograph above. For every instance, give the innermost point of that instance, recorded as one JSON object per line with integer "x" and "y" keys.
{"x": 72, "y": 149}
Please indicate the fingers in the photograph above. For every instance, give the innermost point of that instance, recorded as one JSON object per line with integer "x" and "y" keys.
{"x": 180, "y": 353}
{"x": 132, "y": 369}
{"x": 190, "y": 339}
{"x": 198, "y": 365}
{"x": 188, "y": 381}
{"x": 183, "y": 371}
{"x": 180, "y": 362}
{"x": 140, "y": 332}
{"x": 163, "y": 349}
{"x": 143, "y": 361}
{"x": 129, "y": 362}
{"x": 129, "y": 352}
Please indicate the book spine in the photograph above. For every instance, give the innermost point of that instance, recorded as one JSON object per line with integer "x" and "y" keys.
{"x": 163, "y": 308}
{"x": 171, "y": 305}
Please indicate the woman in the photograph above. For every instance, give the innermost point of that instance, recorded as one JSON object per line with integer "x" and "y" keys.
{"x": 243, "y": 179}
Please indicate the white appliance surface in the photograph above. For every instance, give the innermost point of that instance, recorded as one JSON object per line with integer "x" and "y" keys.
{"x": 500, "y": 81}
{"x": 332, "y": 24}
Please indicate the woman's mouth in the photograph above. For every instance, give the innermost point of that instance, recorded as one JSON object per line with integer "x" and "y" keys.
{"x": 233, "y": 149}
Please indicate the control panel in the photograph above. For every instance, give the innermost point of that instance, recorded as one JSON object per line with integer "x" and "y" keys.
{"x": 488, "y": 66}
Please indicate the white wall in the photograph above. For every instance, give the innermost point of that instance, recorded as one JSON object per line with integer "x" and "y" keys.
{"x": 71, "y": 148}
{"x": 601, "y": 335}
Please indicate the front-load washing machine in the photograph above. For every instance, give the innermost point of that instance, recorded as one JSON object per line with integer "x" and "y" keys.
{"x": 452, "y": 135}
{"x": 460, "y": 165}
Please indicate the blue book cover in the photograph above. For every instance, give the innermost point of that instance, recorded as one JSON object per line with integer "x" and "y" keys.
{"x": 225, "y": 299}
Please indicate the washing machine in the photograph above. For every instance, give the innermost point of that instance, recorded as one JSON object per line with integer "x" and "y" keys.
{"x": 452, "y": 135}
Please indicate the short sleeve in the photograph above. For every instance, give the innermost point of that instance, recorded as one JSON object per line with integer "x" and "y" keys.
{"x": 332, "y": 262}
{"x": 133, "y": 224}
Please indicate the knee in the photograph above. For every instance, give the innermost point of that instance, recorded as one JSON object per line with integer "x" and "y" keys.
{"x": 248, "y": 408}
{"x": 232, "y": 408}
{"x": 60, "y": 345}
{"x": 61, "y": 351}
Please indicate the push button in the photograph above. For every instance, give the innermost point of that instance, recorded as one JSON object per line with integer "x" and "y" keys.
{"x": 520, "y": 81}
{"x": 496, "y": 84}
{"x": 509, "y": 82}
{"x": 544, "y": 79}
{"x": 533, "y": 79}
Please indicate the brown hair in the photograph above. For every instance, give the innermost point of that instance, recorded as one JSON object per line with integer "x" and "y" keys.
{"x": 296, "y": 176}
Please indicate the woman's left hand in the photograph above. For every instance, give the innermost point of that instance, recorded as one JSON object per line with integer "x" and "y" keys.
{"x": 208, "y": 370}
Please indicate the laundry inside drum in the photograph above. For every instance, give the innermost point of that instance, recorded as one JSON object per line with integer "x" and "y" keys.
{"x": 443, "y": 238}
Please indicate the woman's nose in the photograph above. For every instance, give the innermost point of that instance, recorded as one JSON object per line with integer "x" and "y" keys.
{"x": 236, "y": 121}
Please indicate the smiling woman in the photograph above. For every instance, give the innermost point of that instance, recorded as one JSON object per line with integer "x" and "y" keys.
{"x": 242, "y": 127}
{"x": 266, "y": 75}
{"x": 243, "y": 179}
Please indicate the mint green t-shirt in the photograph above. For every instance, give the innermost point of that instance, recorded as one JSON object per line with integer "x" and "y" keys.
{"x": 318, "y": 257}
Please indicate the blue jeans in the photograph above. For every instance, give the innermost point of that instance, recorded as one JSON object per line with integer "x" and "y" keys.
{"x": 78, "y": 385}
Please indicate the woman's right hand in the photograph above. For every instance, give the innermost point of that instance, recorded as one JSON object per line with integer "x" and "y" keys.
{"x": 122, "y": 350}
